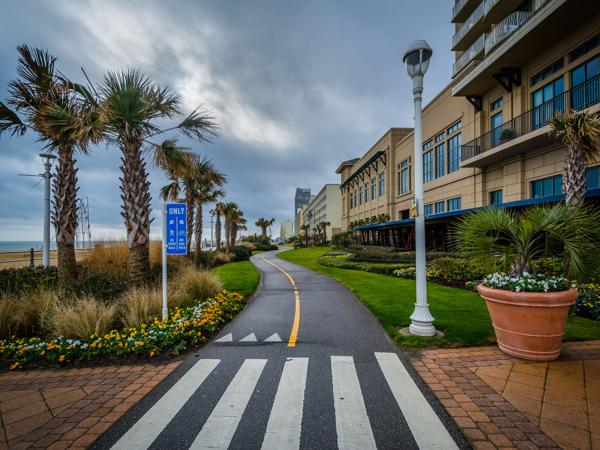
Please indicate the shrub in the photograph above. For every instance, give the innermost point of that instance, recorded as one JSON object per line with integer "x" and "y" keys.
{"x": 241, "y": 253}
{"x": 111, "y": 258}
{"x": 458, "y": 270}
{"x": 341, "y": 262}
{"x": 221, "y": 258}
{"x": 78, "y": 318}
{"x": 192, "y": 286}
{"x": 549, "y": 266}
{"x": 266, "y": 247}
{"x": 20, "y": 313}
{"x": 343, "y": 240}
{"x": 248, "y": 244}
{"x": 26, "y": 279}
{"x": 140, "y": 305}
{"x": 376, "y": 253}
{"x": 256, "y": 239}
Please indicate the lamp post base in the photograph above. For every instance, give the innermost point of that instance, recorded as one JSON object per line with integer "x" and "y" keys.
{"x": 422, "y": 321}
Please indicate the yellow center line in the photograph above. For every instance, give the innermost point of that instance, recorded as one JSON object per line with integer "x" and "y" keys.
{"x": 296, "y": 324}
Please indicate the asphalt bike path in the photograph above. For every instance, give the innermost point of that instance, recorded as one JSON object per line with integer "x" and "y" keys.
{"x": 304, "y": 365}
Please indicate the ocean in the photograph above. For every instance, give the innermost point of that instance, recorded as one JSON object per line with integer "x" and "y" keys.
{"x": 10, "y": 246}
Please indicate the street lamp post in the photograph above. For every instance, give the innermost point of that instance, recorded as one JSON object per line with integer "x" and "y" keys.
{"x": 47, "y": 158}
{"x": 416, "y": 59}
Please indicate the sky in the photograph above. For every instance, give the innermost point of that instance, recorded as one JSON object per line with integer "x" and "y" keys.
{"x": 295, "y": 86}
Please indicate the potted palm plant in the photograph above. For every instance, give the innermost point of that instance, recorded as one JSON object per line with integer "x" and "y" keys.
{"x": 529, "y": 310}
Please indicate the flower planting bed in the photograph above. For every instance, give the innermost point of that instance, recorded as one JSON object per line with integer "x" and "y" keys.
{"x": 185, "y": 327}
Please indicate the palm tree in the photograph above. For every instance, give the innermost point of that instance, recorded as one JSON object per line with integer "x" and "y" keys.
{"x": 130, "y": 106}
{"x": 322, "y": 226}
{"x": 219, "y": 212}
{"x": 67, "y": 122}
{"x": 229, "y": 213}
{"x": 579, "y": 132}
{"x": 494, "y": 235}
{"x": 238, "y": 223}
{"x": 305, "y": 229}
{"x": 263, "y": 224}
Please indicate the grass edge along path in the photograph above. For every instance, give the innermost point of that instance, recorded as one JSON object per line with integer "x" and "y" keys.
{"x": 459, "y": 313}
{"x": 241, "y": 277}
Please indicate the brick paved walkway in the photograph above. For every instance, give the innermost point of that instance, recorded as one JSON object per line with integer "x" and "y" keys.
{"x": 504, "y": 402}
{"x": 70, "y": 408}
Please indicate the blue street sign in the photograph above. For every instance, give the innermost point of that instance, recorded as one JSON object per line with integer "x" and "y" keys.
{"x": 176, "y": 228}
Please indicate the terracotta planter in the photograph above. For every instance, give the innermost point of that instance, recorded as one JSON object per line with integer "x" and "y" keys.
{"x": 529, "y": 325}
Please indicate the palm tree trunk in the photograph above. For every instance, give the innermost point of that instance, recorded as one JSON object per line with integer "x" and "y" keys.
{"x": 264, "y": 231}
{"x": 198, "y": 226}
{"x": 574, "y": 181}
{"x": 189, "y": 201}
{"x": 233, "y": 235}
{"x": 218, "y": 233}
{"x": 65, "y": 214}
{"x": 135, "y": 193}
{"x": 227, "y": 235}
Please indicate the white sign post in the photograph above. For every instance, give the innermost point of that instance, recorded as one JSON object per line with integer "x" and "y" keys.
{"x": 174, "y": 241}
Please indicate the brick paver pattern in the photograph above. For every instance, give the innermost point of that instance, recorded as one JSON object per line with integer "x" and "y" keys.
{"x": 70, "y": 408}
{"x": 503, "y": 402}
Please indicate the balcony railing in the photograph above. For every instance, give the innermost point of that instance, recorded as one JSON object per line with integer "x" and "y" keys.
{"x": 488, "y": 5}
{"x": 578, "y": 98}
{"x": 474, "y": 52}
{"x": 505, "y": 28}
{"x": 458, "y": 5}
{"x": 475, "y": 17}
{"x": 539, "y": 3}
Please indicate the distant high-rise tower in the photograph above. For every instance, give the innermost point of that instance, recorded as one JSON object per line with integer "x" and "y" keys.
{"x": 302, "y": 198}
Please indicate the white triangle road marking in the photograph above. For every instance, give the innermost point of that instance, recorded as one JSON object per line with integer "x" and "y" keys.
{"x": 250, "y": 338}
{"x": 273, "y": 338}
{"x": 226, "y": 338}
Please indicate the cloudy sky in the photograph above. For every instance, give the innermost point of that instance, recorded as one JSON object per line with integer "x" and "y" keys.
{"x": 295, "y": 86}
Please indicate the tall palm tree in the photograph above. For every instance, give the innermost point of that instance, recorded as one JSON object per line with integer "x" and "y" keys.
{"x": 579, "y": 132}
{"x": 229, "y": 213}
{"x": 322, "y": 226}
{"x": 219, "y": 212}
{"x": 263, "y": 224}
{"x": 238, "y": 222}
{"x": 305, "y": 229}
{"x": 67, "y": 122}
{"x": 130, "y": 106}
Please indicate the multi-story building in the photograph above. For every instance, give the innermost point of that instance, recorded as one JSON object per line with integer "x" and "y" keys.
{"x": 299, "y": 220}
{"x": 302, "y": 198}
{"x": 286, "y": 229}
{"x": 325, "y": 208}
{"x": 485, "y": 136}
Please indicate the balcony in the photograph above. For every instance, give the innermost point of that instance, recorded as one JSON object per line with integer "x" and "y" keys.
{"x": 462, "y": 9}
{"x": 505, "y": 28}
{"x": 469, "y": 31}
{"x": 474, "y": 53}
{"x": 549, "y": 23}
{"x": 530, "y": 129}
{"x": 495, "y": 10}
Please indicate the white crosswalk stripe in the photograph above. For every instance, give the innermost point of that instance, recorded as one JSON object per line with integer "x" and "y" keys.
{"x": 425, "y": 425}
{"x": 250, "y": 338}
{"x": 273, "y": 338}
{"x": 285, "y": 421}
{"x": 226, "y": 338}
{"x": 220, "y": 427}
{"x": 351, "y": 420}
{"x": 147, "y": 429}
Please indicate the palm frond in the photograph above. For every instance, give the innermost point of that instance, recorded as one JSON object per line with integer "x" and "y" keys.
{"x": 10, "y": 122}
{"x": 199, "y": 125}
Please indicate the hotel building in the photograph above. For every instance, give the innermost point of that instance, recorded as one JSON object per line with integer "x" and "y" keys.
{"x": 325, "y": 207}
{"x": 485, "y": 135}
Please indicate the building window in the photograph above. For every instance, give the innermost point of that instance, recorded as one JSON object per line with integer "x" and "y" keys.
{"x": 454, "y": 204}
{"x": 404, "y": 177}
{"x": 366, "y": 193}
{"x": 496, "y": 104}
{"x": 546, "y": 187}
{"x": 547, "y": 72}
{"x": 454, "y": 152}
{"x": 593, "y": 178}
{"x": 453, "y": 128}
{"x": 427, "y": 166}
{"x": 496, "y": 128}
{"x": 496, "y": 197}
{"x": 428, "y": 144}
{"x": 404, "y": 214}
{"x": 585, "y": 92}
{"x": 428, "y": 209}
{"x": 543, "y": 106}
{"x": 439, "y": 137}
{"x": 584, "y": 48}
{"x": 440, "y": 161}
{"x": 360, "y": 197}
{"x": 381, "y": 184}
{"x": 373, "y": 188}
{"x": 355, "y": 199}
{"x": 440, "y": 207}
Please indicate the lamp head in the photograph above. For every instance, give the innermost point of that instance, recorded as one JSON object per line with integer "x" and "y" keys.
{"x": 416, "y": 58}
{"x": 47, "y": 157}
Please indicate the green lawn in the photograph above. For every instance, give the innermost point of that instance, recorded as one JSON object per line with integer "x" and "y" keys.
{"x": 241, "y": 277}
{"x": 459, "y": 313}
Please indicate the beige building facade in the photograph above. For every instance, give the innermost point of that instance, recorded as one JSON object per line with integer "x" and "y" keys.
{"x": 485, "y": 135}
{"x": 286, "y": 229}
{"x": 325, "y": 207}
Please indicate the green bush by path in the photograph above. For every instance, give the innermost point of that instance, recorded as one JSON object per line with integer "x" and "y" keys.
{"x": 342, "y": 262}
{"x": 241, "y": 277}
{"x": 459, "y": 313}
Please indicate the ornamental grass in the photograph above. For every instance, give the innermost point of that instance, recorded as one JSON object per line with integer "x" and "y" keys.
{"x": 184, "y": 327}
